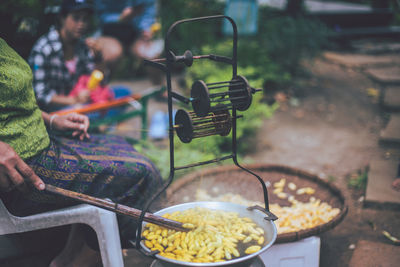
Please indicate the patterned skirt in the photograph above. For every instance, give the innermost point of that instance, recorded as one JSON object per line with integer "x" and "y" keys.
{"x": 104, "y": 166}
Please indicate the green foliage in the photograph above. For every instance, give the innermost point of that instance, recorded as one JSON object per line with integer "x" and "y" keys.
{"x": 359, "y": 180}
{"x": 20, "y": 8}
{"x": 272, "y": 56}
{"x": 184, "y": 155}
{"x": 194, "y": 35}
{"x": 331, "y": 178}
{"x": 253, "y": 118}
{"x": 285, "y": 41}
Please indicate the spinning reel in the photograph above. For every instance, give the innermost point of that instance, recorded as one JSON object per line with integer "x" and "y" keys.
{"x": 214, "y": 108}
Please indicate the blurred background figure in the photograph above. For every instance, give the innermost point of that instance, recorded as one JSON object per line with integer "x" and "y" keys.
{"x": 60, "y": 57}
{"x": 126, "y": 27}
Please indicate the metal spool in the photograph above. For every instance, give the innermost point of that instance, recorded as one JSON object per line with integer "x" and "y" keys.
{"x": 238, "y": 94}
{"x": 189, "y": 126}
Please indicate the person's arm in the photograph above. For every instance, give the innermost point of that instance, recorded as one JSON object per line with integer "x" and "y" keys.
{"x": 77, "y": 123}
{"x": 129, "y": 12}
{"x": 43, "y": 91}
{"x": 14, "y": 172}
{"x": 62, "y": 100}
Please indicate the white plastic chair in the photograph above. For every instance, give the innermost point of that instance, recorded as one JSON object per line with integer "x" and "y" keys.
{"x": 103, "y": 222}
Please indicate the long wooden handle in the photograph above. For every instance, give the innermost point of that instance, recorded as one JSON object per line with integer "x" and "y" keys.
{"x": 117, "y": 208}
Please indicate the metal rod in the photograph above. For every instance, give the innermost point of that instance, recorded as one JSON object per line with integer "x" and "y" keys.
{"x": 226, "y": 99}
{"x": 239, "y": 116}
{"x": 222, "y": 86}
{"x": 203, "y": 162}
{"x": 221, "y": 107}
{"x": 208, "y": 126}
{"x": 194, "y": 57}
{"x": 226, "y": 93}
{"x": 219, "y": 100}
{"x": 198, "y": 120}
{"x": 201, "y": 125}
{"x": 238, "y": 97}
{"x": 217, "y": 87}
{"x": 209, "y": 117}
{"x": 207, "y": 132}
{"x": 231, "y": 82}
{"x": 117, "y": 208}
{"x": 219, "y": 94}
{"x": 208, "y": 84}
{"x": 201, "y": 56}
{"x": 180, "y": 97}
{"x": 204, "y": 134}
{"x": 210, "y": 123}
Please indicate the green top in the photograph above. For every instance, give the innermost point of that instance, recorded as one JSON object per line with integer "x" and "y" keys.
{"x": 21, "y": 122}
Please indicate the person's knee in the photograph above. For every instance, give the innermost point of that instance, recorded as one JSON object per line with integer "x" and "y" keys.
{"x": 111, "y": 49}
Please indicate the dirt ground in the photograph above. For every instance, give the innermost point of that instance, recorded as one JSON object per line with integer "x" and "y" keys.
{"x": 333, "y": 131}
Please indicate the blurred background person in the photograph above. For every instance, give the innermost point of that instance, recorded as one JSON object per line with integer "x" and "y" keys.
{"x": 60, "y": 57}
{"x": 126, "y": 27}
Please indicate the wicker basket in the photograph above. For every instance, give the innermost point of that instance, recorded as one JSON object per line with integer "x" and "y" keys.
{"x": 231, "y": 179}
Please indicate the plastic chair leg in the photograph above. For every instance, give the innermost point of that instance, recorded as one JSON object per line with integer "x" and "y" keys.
{"x": 109, "y": 241}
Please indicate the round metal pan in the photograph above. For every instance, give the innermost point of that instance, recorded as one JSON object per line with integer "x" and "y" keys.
{"x": 257, "y": 216}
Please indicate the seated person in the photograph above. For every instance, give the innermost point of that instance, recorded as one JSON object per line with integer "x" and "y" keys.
{"x": 126, "y": 25}
{"x": 99, "y": 165}
{"x": 60, "y": 58}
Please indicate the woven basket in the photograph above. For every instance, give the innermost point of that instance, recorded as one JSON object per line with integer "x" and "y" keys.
{"x": 231, "y": 179}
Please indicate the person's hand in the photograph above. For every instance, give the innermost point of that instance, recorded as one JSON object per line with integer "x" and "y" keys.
{"x": 130, "y": 12}
{"x": 78, "y": 123}
{"x": 94, "y": 45}
{"x": 83, "y": 97}
{"x": 14, "y": 172}
{"x": 126, "y": 14}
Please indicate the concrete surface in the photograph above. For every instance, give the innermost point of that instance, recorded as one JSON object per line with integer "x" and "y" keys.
{"x": 391, "y": 98}
{"x": 380, "y": 177}
{"x": 369, "y": 253}
{"x": 320, "y": 6}
{"x": 391, "y": 133}
{"x": 362, "y": 60}
{"x": 389, "y": 75}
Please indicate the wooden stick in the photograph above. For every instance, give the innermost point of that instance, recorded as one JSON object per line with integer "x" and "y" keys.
{"x": 117, "y": 208}
{"x": 100, "y": 106}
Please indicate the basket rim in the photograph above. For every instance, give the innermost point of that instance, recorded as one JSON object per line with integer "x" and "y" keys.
{"x": 286, "y": 237}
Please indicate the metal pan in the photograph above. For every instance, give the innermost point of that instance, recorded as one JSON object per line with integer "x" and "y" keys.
{"x": 257, "y": 216}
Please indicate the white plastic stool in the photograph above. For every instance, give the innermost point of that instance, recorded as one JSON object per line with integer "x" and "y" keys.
{"x": 301, "y": 253}
{"x": 103, "y": 222}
